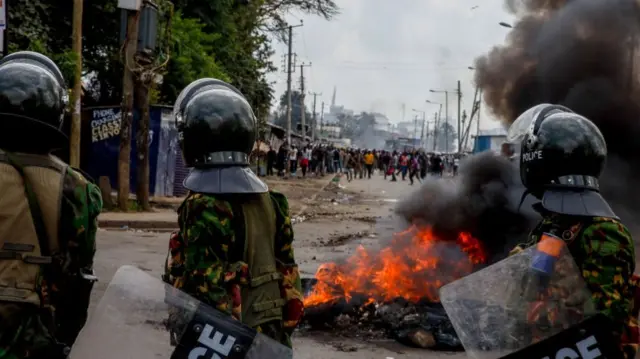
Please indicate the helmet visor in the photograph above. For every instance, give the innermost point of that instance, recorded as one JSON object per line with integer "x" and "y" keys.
{"x": 523, "y": 123}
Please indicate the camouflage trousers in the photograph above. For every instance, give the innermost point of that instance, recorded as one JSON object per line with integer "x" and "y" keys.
{"x": 24, "y": 334}
{"x": 274, "y": 331}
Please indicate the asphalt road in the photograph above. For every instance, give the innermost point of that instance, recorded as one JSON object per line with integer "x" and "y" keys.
{"x": 376, "y": 198}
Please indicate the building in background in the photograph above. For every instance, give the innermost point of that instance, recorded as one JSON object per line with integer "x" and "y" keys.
{"x": 382, "y": 125}
{"x": 408, "y": 129}
{"x": 490, "y": 140}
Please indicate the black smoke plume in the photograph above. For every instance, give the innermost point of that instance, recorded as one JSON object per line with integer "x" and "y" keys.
{"x": 580, "y": 54}
{"x": 483, "y": 201}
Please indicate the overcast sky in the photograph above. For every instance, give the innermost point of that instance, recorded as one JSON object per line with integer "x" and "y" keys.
{"x": 381, "y": 54}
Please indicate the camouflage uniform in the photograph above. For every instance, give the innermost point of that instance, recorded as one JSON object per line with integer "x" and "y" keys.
{"x": 199, "y": 260}
{"x": 604, "y": 251}
{"x": 27, "y": 332}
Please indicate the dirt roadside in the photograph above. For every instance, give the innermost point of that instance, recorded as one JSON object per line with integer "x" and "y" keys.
{"x": 163, "y": 217}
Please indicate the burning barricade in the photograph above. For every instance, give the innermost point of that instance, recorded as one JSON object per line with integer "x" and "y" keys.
{"x": 394, "y": 292}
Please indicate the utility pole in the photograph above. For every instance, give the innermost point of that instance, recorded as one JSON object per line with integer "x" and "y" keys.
{"x": 415, "y": 128}
{"x": 424, "y": 121}
{"x": 474, "y": 109}
{"x": 478, "y": 123}
{"x": 315, "y": 123}
{"x": 446, "y": 119}
{"x": 479, "y": 111}
{"x": 303, "y": 128}
{"x": 126, "y": 112}
{"x": 321, "y": 118}
{"x": 435, "y": 130}
{"x": 459, "y": 92}
{"x": 426, "y": 138}
{"x": 290, "y": 69}
{"x": 76, "y": 98}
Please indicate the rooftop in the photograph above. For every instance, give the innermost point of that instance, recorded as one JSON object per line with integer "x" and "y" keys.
{"x": 499, "y": 131}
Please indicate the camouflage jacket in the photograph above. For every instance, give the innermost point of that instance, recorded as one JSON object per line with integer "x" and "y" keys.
{"x": 604, "y": 251}
{"x": 199, "y": 262}
{"x": 24, "y": 333}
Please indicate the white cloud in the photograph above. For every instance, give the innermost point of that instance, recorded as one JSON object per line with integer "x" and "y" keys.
{"x": 381, "y": 54}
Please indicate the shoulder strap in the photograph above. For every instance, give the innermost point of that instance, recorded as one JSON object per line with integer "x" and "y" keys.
{"x": 572, "y": 230}
{"x": 34, "y": 206}
{"x": 36, "y": 216}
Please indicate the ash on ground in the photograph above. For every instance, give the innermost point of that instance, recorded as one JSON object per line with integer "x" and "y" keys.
{"x": 423, "y": 325}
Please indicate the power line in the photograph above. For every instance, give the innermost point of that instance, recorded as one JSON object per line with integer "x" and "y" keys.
{"x": 371, "y": 67}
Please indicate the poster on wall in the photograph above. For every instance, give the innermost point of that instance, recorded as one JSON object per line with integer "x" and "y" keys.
{"x": 105, "y": 145}
{"x": 105, "y": 124}
{"x": 3, "y": 15}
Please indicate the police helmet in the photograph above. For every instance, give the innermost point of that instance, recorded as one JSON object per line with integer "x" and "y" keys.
{"x": 562, "y": 155}
{"x": 217, "y": 131}
{"x": 33, "y": 99}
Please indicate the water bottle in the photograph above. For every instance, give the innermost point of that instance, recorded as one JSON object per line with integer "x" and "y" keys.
{"x": 546, "y": 254}
{"x": 541, "y": 268}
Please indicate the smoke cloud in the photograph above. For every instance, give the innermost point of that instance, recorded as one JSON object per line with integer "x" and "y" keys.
{"x": 483, "y": 201}
{"x": 579, "y": 54}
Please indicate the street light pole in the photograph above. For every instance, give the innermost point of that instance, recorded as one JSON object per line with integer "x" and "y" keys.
{"x": 459, "y": 92}
{"x": 436, "y": 123}
{"x": 435, "y": 128}
{"x": 422, "y": 127}
{"x": 415, "y": 128}
{"x": 446, "y": 117}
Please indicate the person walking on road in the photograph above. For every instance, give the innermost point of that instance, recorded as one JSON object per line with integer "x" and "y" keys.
{"x": 350, "y": 163}
{"x": 293, "y": 161}
{"x": 414, "y": 168}
{"x": 281, "y": 160}
{"x": 271, "y": 160}
{"x": 395, "y": 162}
{"x": 368, "y": 162}
{"x": 49, "y": 216}
{"x": 306, "y": 159}
{"x": 234, "y": 248}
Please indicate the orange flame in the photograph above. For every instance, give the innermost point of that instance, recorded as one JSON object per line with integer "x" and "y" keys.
{"x": 413, "y": 267}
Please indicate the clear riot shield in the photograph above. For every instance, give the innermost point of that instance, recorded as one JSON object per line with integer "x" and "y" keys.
{"x": 534, "y": 304}
{"x": 142, "y": 317}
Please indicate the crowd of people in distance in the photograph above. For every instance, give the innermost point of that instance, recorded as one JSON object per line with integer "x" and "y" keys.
{"x": 356, "y": 163}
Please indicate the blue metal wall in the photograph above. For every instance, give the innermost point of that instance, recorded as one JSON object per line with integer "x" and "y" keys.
{"x": 482, "y": 143}
{"x": 105, "y": 144}
{"x": 167, "y": 150}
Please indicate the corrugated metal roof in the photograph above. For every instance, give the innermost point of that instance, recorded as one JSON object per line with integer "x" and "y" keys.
{"x": 499, "y": 131}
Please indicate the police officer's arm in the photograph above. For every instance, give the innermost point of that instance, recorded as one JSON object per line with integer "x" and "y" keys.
{"x": 291, "y": 287}
{"x": 174, "y": 263}
{"x": 80, "y": 207}
{"x": 207, "y": 233}
{"x": 608, "y": 268}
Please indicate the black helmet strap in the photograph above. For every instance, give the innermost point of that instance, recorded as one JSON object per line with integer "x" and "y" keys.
{"x": 225, "y": 158}
{"x": 568, "y": 182}
{"x": 575, "y": 182}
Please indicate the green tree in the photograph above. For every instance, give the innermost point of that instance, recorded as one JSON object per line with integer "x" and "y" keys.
{"x": 228, "y": 39}
{"x": 446, "y": 134}
{"x": 192, "y": 57}
{"x": 296, "y": 111}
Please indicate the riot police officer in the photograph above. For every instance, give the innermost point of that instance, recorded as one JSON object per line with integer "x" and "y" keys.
{"x": 239, "y": 256}
{"x": 49, "y": 216}
{"x": 562, "y": 155}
